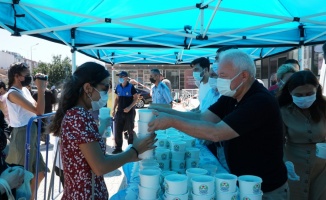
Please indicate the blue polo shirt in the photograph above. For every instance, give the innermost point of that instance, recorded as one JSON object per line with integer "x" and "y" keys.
{"x": 161, "y": 94}
{"x": 125, "y": 95}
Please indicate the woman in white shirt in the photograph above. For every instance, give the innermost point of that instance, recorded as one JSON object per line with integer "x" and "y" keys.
{"x": 21, "y": 107}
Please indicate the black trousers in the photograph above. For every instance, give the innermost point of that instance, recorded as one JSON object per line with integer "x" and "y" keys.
{"x": 124, "y": 122}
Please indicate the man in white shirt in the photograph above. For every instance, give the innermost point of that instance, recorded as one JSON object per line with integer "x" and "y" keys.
{"x": 201, "y": 73}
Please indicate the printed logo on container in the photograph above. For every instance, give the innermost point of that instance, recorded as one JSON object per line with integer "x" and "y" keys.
{"x": 193, "y": 143}
{"x": 203, "y": 189}
{"x": 193, "y": 164}
{"x": 188, "y": 154}
{"x": 176, "y": 147}
{"x": 161, "y": 144}
{"x": 163, "y": 156}
{"x": 256, "y": 188}
{"x": 182, "y": 165}
{"x": 224, "y": 186}
{"x": 166, "y": 186}
{"x": 161, "y": 165}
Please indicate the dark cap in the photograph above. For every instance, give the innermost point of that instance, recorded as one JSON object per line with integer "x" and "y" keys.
{"x": 123, "y": 73}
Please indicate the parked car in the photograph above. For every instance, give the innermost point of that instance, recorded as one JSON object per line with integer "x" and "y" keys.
{"x": 145, "y": 97}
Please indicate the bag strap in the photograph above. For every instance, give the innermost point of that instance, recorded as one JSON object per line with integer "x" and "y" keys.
{"x": 52, "y": 173}
{"x": 6, "y": 186}
{"x": 14, "y": 89}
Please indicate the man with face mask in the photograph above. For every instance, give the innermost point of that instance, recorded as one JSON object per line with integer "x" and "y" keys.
{"x": 124, "y": 116}
{"x": 161, "y": 94}
{"x": 212, "y": 95}
{"x": 201, "y": 73}
{"x": 247, "y": 117}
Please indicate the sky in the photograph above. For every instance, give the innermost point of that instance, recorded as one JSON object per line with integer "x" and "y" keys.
{"x": 43, "y": 51}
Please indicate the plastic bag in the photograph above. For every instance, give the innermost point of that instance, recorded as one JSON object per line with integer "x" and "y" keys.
{"x": 24, "y": 191}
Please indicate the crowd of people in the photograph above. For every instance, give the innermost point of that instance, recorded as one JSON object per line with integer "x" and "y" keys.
{"x": 249, "y": 128}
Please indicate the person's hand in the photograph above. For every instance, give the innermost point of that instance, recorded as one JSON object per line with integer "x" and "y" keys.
{"x": 126, "y": 110}
{"x": 113, "y": 113}
{"x": 162, "y": 121}
{"x": 41, "y": 84}
{"x": 144, "y": 144}
{"x": 14, "y": 176}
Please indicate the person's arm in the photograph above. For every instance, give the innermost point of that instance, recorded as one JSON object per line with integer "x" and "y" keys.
{"x": 19, "y": 99}
{"x": 135, "y": 100}
{"x": 186, "y": 115}
{"x": 209, "y": 127}
{"x": 116, "y": 101}
{"x": 102, "y": 164}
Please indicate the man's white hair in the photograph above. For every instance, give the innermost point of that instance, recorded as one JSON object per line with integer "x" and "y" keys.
{"x": 240, "y": 60}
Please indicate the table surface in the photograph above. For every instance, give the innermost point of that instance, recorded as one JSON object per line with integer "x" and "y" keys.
{"x": 131, "y": 171}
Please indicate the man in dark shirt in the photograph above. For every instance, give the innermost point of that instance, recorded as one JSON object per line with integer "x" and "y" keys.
{"x": 246, "y": 117}
{"x": 124, "y": 116}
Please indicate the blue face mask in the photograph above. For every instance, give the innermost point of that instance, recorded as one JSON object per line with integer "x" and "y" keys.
{"x": 104, "y": 96}
{"x": 304, "y": 102}
{"x": 121, "y": 80}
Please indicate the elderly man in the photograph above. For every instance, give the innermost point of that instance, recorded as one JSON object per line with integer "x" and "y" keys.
{"x": 246, "y": 117}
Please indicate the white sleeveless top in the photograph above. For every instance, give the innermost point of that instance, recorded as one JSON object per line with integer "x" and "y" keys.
{"x": 19, "y": 116}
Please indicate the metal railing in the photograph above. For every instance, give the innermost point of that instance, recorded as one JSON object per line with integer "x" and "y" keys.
{"x": 28, "y": 147}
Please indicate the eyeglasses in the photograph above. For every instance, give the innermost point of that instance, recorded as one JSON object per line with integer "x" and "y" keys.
{"x": 107, "y": 86}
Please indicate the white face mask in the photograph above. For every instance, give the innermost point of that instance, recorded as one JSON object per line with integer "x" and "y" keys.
{"x": 212, "y": 82}
{"x": 304, "y": 102}
{"x": 224, "y": 86}
{"x": 121, "y": 80}
{"x": 197, "y": 76}
{"x": 96, "y": 105}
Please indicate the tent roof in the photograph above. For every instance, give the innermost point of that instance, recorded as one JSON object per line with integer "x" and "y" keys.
{"x": 169, "y": 32}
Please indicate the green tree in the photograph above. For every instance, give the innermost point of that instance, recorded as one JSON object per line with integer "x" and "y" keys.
{"x": 57, "y": 70}
{"x": 41, "y": 68}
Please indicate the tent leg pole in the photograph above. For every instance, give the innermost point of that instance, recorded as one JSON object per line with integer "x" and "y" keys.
{"x": 301, "y": 57}
{"x": 73, "y": 56}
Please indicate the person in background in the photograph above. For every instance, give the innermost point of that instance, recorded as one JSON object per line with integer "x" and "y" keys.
{"x": 167, "y": 82}
{"x": 212, "y": 95}
{"x": 273, "y": 82}
{"x": 201, "y": 73}
{"x": 82, "y": 147}
{"x": 284, "y": 72}
{"x": 216, "y": 148}
{"x": 161, "y": 94}
{"x": 294, "y": 63}
{"x": 124, "y": 116}
{"x": 324, "y": 51}
{"x": 55, "y": 94}
{"x": 253, "y": 139}
{"x": 49, "y": 102}
{"x": 29, "y": 88}
{"x": 21, "y": 107}
{"x": 303, "y": 110}
{"x": 13, "y": 176}
{"x": 3, "y": 105}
